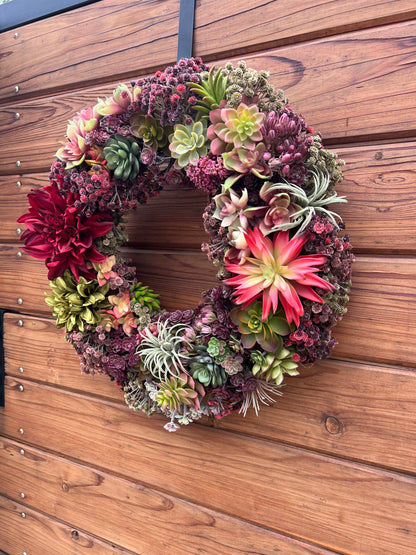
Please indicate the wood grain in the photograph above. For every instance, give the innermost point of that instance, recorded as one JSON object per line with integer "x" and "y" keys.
{"x": 348, "y": 86}
{"x": 129, "y": 38}
{"x": 352, "y": 410}
{"x": 341, "y": 505}
{"x": 88, "y": 45}
{"x": 40, "y": 534}
{"x": 379, "y": 182}
{"x": 378, "y": 327}
{"x": 40, "y": 349}
{"x": 140, "y": 519}
{"x": 380, "y": 214}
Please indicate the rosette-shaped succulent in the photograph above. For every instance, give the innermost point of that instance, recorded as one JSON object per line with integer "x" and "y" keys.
{"x": 267, "y": 333}
{"x": 276, "y": 272}
{"x": 75, "y": 150}
{"x": 118, "y": 103}
{"x": 76, "y": 303}
{"x": 229, "y": 205}
{"x": 205, "y": 370}
{"x": 272, "y": 366}
{"x": 187, "y": 143}
{"x": 278, "y": 211}
{"x": 143, "y": 296}
{"x": 149, "y": 130}
{"x": 239, "y": 128}
{"x": 178, "y": 391}
{"x": 122, "y": 156}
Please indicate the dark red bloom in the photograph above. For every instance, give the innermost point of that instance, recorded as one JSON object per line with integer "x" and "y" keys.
{"x": 57, "y": 233}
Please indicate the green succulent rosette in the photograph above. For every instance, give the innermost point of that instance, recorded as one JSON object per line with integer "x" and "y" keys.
{"x": 76, "y": 303}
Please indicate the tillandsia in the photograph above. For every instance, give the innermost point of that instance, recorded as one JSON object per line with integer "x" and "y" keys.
{"x": 282, "y": 257}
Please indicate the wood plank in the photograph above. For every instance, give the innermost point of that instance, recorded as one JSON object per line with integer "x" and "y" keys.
{"x": 161, "y": 523}
{"x": 379, "y": 325}
{"x": 379, "y": 182}
{"x": 89, "y": 44}
{"x": 347, "y": 86}
{"x": 149, "y": 36}
{"x": 357, "y": 411}
{"x": 380, "y": 214}
{"x": 39, "y": 533}
{"x": 343, "y": 506}
{"x": 352, "y": 410}
{"x": 41, "y": 351}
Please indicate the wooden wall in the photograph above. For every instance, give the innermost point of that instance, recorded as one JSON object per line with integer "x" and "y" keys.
{"x": 331, "y": 467}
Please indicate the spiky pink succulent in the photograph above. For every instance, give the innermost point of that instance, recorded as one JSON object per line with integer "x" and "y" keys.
{"x": 76, "y": 148}
{"x": 276, "y": 273}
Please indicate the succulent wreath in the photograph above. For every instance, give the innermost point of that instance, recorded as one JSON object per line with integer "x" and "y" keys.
{"x": 283, "y": 260}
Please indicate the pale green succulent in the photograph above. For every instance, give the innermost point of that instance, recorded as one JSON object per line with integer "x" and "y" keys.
{"x": 76, "y": 303}
{"x": 271, "y": 367}
{"x": 187, "y": 143}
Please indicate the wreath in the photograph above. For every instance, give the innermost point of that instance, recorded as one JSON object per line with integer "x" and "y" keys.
{"x": 283, "y": 260}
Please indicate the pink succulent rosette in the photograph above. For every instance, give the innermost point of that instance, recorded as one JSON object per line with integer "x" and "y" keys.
{"x": 283, "y": 259}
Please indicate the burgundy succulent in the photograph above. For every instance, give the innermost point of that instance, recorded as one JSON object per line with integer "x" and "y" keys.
{"x": 57, "y": 233}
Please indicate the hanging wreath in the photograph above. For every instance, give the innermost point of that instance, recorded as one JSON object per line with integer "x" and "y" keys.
{"x": 284, "y": 264}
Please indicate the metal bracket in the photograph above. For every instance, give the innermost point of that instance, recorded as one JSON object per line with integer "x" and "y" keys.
{"x": 186, "y": 29}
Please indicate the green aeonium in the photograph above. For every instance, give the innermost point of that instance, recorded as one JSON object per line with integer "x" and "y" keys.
{"x": 76, "y": 303}
{"x": 268, "y": 333}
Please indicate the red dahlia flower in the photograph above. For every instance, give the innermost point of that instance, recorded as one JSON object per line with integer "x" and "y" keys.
{"x": 57, "y": 233}
{"x": 274, "y": 272}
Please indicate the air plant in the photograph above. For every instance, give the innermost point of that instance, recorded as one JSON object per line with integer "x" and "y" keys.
{"x": 163, "y": 354}
{"x": 309, "y": 203}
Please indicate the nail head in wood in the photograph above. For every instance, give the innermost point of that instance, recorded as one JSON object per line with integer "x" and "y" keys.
{"x": 16, "y": 89}
{"x": 16, "y": 35}
{"x": 19, "y": 301}
{"x": 23, "y": 515}
{"x": 17, "y": 115}
{"x": 18, "y": 183}
{"x": 21, "y": 369}
{"x": 19, "y": 254}
{"x": 22, "y": 495}
{"x": 20, "y": 323}
{"x": 18, "y": 163}
{"x": 21, "y": 431}
{"x": 21, "y": 388}
{"x": 22, "y": 451}
{"x": 18, "y": 231}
